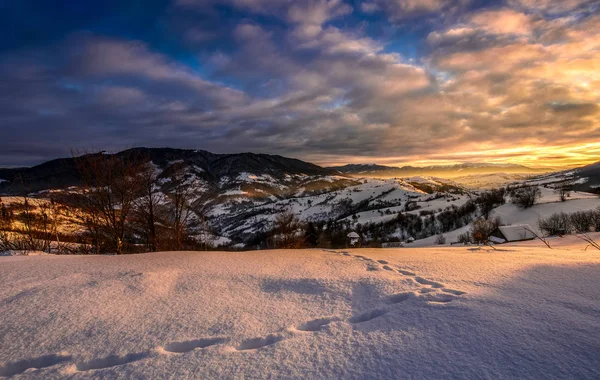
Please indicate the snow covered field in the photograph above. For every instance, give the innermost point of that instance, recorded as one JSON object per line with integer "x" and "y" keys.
{"x": 463, "y": 312}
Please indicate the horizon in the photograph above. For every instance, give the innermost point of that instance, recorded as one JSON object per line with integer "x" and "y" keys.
{"x": 327, "y": 81}
{"x": 335, "y": 165}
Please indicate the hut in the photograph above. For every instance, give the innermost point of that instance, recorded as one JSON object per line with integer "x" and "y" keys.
{"x": 354, "y": 239}
{"x": 507, "y": 234}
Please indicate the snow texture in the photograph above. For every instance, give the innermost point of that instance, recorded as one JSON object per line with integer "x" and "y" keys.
{"x": 453, "y": 313}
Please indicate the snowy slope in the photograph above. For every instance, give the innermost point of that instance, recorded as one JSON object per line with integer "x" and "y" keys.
{"x": 453, "y": 313}
{"x": 511, "y": 214}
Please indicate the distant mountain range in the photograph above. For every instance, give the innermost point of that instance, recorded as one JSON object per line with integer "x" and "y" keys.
{"x": 445, "y": 171}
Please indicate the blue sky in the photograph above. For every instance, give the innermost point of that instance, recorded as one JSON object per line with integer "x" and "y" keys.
{"x": 329, "y": 81}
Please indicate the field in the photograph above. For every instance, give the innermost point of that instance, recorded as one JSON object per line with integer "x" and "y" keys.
{"x": 521, "y": 311}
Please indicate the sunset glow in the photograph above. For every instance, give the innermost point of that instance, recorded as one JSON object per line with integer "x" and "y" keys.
{"x": 329, "y": 81}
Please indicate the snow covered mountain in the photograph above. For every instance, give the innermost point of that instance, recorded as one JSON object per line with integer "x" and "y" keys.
{"x": 240, "y": 195}
{"x": 444, "y": 171}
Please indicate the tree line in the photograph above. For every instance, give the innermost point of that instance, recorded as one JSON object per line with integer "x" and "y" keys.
{"x": 118, "y": 208}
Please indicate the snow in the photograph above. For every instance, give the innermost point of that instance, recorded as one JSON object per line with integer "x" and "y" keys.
{"x": 517, "y": 232}
{"x": 489, "y": 181}
{"x": 520, "y": 312}
{"x": 22, "y": 253}
{"x": 510, "y": 214}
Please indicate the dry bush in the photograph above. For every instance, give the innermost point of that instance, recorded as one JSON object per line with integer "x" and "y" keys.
{"x": 556, "y": 224}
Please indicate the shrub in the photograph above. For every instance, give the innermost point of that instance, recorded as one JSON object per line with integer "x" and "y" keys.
{"x": 440, "y": 239}
{"x": 482, "y": 229}
{"x": 526, "y": 197}
{"x": 582, "y": 221}
{"x": 596, "y": 219}
{"x": 464, "y": 238}
{"x": 555, "y": 224}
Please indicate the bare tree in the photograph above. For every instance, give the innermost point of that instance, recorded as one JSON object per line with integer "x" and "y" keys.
{"x": 147, "y": 206}
{"x": 564, "y": 189}
{"x": 286, "y": 231}
{"x": 482, "y": 229}
{"x": 111, "y": 184}
{"x": 526, "y": 197}
{"x": 180, "y": 211}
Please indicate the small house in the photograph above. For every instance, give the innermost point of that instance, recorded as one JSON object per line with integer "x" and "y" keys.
{"x": 507, "y": 234}
{"x": 354, "y": 239}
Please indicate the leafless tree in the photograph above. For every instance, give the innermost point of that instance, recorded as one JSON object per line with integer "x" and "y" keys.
{"x": 526, "y": 197}
{"x": 564, "y": 189}
{"x": 286, "y": 230}
{"x": 147, "y": 206}
{"x": 180, "y": 211}
{"x": 482, "y": 229}
{"x": 110, "y": 186}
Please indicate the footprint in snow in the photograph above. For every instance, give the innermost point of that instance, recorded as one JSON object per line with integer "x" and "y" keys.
{"x": 424, "y": 281}
{"x": 190, "y": 345}
{"x": 369, "y": 315}
{"x": 256, "y": 343}
{"x": 111, "y": 361}
{"x": 15, "y": 368}
{"x": 455, "y": 292}
{"x": 400, "y": 297}
{"x": 439, "y": 298}
{"x": 317, "y": 324}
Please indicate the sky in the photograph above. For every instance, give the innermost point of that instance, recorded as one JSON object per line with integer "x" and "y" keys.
{"x": 391, "y": 82}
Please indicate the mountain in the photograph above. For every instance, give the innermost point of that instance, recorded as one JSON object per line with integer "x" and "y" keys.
{"x": 588, "y": 178}
{"x": 361, "y": 168}
{"x": 238, "y": 196}
{"x": 62, "y": 173}
{"x": 444, "y": 171}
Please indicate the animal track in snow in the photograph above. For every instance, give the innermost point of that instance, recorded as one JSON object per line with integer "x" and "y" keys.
{"x": 439, "y": 298}
{"x": 452, "y": 291}
{"x": 372, "y": 265}
{"x": 317, "y": 324}
{"x": 190, "y": 345}
{"x": 256, "y": 343}
{"x": 424, "y": 281}
{"x": 400, "y": 297}
{"x": 111, "y": 361}
{"x": 369, "y": 315}
{"x": 427, "y": 294}
{"x": 14, "y": 368}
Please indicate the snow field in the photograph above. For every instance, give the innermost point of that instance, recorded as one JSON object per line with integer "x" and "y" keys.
{"x": 365, "y": 313}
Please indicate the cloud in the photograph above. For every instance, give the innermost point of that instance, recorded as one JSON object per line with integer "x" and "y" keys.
{"x": 503, "y": 21}
{"x": 397, "y": 10}
{"x": 308, "y": 82}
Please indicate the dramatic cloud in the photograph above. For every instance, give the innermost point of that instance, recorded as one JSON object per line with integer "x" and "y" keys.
{"x": 322, "y": 80}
